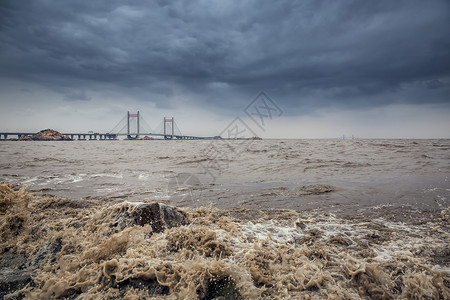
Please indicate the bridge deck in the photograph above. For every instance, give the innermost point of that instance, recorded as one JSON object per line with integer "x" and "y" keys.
{"x": 109, "y": 136}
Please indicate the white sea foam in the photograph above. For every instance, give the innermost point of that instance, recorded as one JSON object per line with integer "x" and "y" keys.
{"x": 107, "y": 175}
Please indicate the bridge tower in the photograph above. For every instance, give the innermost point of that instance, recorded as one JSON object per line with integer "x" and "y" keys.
{"x": 172, "y": 123}
{"x": 129, "y": 116}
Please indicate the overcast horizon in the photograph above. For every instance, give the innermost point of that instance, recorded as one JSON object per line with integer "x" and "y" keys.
{"x": 376, "y": 69}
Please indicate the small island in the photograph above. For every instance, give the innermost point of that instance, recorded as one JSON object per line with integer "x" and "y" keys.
{"x": 45, "y": 135}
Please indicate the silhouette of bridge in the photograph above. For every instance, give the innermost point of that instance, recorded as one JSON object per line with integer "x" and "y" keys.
{"x": 132, "y": 126}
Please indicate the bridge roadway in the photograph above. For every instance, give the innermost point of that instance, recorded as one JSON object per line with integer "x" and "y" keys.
{"x": 111, "y": 136}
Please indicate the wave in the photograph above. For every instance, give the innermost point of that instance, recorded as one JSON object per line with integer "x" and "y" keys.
{"x": 80, "y": 248}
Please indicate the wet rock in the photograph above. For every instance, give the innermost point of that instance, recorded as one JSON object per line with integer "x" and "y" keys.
{"x": 47, "y": 252}
{"x": 12, "y": 280}
{"x": 158, "y": 215}
{"x": 224, "y": 288}
{"x": 152, "y": 286}
{"x": 13, "y": 276}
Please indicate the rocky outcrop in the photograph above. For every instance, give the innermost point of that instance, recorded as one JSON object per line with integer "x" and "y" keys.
{"x": 13, "y": 274}
{"x": 50, "y": 135}
{"x": 46, "y": 253}
{"x": 26, "y": 138}
{"x": 158, "y": 215}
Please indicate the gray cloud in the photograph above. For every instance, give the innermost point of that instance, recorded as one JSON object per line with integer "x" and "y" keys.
{"x": 309, "y": 54}
{"x": 77, "y": 96}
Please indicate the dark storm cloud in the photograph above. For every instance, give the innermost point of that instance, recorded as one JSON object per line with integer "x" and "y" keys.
{"x": 308, "y": 54}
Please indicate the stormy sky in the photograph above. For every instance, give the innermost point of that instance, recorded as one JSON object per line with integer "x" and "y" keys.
{"x": 367, "y": 68}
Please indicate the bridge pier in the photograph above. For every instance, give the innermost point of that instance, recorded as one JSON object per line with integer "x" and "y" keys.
{"x": 110, "y": 136}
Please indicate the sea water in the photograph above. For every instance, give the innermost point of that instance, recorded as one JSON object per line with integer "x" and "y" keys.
{"x": 339, "y": 219}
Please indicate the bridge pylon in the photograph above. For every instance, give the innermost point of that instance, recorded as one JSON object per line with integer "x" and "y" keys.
{"x": 168, "y": 136}
{"x": 129, "y": 133}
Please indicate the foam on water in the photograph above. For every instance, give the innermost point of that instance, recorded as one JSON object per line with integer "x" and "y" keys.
{"x": 108, "y": 175}
{"x": 144, "y": 176}
{"x": 79, "y": 248}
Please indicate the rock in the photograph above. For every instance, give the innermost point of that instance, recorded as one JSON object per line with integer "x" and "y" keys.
{"x": 47, "y": 252}
{"x": 13, "y": 276}
{"x": 12, "y": 280}
{"x": 159, "y": 216}
{"x": 50, "y": 135}
{"x": 224, "y": 288}
{"x": 25, "y": 138}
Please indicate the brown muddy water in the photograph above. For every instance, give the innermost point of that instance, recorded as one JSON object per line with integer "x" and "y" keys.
{"x": 272, "y": 219}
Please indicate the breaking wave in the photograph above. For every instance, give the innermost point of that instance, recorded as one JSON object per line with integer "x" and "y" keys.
{"x": 57, "y": 247}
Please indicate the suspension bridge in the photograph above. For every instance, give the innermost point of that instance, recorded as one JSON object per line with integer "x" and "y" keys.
{"x": 131, "y": 127}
